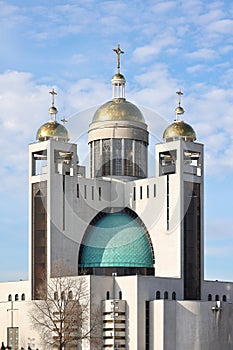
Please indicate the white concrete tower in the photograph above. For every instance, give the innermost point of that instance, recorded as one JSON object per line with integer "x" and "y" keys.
{"x": 179, "y": 161}
{"x": 51, "y": 161}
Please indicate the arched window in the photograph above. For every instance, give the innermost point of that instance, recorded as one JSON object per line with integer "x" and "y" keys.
{"x": 70, "y": 295}
{"x": 209, "y": 297}
{"x": 108, "y": 295}
{"x": 63, "y": 296}
{"x": 9, "y": 297}
{"x": 224, "y": 298}
{"x": 158, "y": 295}
{"x": 216, "y": 297}
{"x": 120, "y": 294}
{"x": 55, "y": 296}
{"x": 16, "y": 297}
{"x": 166, "y": 295}
{"x": 173, "y": 295}
{"x": 23, "y": 296}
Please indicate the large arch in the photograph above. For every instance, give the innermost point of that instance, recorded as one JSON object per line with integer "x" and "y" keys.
{"x": 117, "y": 241}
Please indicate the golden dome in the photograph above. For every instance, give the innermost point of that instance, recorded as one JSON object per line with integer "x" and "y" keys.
{"x": 52, "y": 130}
{"x": 179, "y": 110}
{"x": 118, "y": 110}
{"x": 179, "y": 130}
{"x": 118, "y": 76}
{"x": 53, "y": 110}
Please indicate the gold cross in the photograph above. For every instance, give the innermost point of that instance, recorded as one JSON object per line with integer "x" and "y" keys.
{"x": 63, "y": 120}
{"x": 118, "y": 52}
{"x": 179, "y": 93}
{"x": 53, "y": 93}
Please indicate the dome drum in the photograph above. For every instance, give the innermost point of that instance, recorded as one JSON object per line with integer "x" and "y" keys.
{"x": 127, "y": 130}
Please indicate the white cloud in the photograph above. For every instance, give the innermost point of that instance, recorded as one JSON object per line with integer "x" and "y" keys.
{"x": 224, "y": 26}
{"x": 147, "y": 52}
{"x": 203, "y": 54}
{"x": 196, "y": 68}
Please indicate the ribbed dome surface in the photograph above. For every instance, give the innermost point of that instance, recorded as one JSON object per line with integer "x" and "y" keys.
{"x": 118, "y": 109}
{"x": 116, "y": 240}
{"x": 179, "y": 129}
{"x": 52, "y": 130}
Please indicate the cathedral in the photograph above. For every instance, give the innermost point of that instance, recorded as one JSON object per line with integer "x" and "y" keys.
{"x": 139, "y": 239}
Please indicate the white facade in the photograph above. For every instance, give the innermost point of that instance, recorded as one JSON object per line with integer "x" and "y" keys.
{"x": 149, "y": 281}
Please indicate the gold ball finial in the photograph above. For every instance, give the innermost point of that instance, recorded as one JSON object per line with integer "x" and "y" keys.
{"x": 179, "y": 110}
{"x": 53, "y": 110}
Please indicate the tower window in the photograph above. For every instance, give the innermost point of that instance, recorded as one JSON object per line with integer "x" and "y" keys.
{"x": 167, "y": 162}
{"x": 16, "y": 297}
{"x": 209, "y": 297}
{"x": 148, "y": 191}
{"x": 192, "y": 162}
{"x": 173, "y": 295}
{"x": 224, "y": 298}
{"x": 78, "y": 194}
{"x": 140, "y": 192}
{"x": 39, "y": 162}
{"x": 134, "y": 193}
{"x": 147, "y": 325}
{"x": 166, "y": 295}
{"x": 92, "y": 192}
{"x": 106, "y": 154}
{"x": 85, "y": 191}
{"x": 23, "y": 296}
{"x": 158, "y": 295}
{"x": 168, "y": 202}
{"x": 217, "y": 297}
{"x": 120, "y": 294}
{"x": 9, "y": 297}
{"x": 108, "y": 295}
{"x": 154, "y": 190}
{"x": 100, "y": 194}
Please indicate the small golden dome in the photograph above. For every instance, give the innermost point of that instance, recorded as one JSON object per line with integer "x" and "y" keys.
{"x": 179, "y": 130}
{"x": 118, "y": 110}
{"x": 52, "y": 130}
{"x": 179, "y": 110}
{"x": 53, "y": 110}
{"x": 118, "y": 76}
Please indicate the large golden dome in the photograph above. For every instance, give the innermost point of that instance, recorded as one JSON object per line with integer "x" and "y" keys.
{"x": 179, "y": 130}
{"x": 52, "y": 130}
{"x": 118, "y": 110}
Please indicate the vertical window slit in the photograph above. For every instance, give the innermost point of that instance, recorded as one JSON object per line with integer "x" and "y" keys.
{"x": 168, "y": 213}
{"x": 63, "y": 203}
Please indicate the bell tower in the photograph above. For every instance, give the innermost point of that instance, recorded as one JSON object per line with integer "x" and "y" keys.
{"x": 179, "y": 160}
{"x": 52, "y": 159}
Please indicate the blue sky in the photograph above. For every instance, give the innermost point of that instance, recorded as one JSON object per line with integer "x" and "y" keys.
{"x": 67, "y": 45}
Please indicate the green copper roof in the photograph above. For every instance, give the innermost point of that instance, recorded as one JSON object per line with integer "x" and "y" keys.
{"x": 116, "y": 240}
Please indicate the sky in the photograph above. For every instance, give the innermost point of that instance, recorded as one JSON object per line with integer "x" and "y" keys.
{"x": 67, "y": 45}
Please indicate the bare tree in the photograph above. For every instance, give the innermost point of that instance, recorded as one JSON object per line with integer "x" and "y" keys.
{"x": 65, "y": 316}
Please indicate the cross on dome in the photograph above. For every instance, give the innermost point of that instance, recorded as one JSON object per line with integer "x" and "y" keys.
{"x": 118, "y": 52}
{"x": 53, "y": 92}
{"x": 179, "y": 110}
{"x": 53, "y": 110}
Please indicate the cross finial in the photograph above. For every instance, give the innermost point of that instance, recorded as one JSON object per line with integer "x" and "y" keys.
{"x": 64, "y": 120}
{"x": 179, "y": 110}
{"x": 179, "y": 93}
{"x": 53, "y": 93}
{"x": 118, "y": 52}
